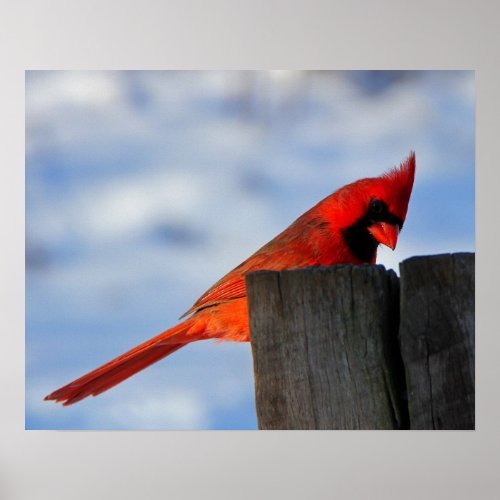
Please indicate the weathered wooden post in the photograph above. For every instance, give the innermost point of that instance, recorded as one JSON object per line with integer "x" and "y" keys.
{"x": 437, "y": 340}
{"x": 324, "y": 342}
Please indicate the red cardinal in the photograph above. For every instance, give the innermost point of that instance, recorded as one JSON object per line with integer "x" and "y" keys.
{"x": 345, "y": 227}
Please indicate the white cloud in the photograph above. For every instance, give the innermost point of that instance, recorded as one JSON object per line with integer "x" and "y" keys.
{"x": 49, "y": 91}
{"x": 135, "y": 201}
{"x": 175, "y": 410}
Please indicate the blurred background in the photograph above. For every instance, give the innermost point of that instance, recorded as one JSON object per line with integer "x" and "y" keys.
{"x": 144, "y": 188}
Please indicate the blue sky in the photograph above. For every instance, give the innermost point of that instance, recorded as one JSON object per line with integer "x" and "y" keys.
{"x": 144, "y": 188}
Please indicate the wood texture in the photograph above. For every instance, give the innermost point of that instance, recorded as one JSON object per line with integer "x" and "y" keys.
{"x": 437, "y": 340}
{"x": 324, "y": 343}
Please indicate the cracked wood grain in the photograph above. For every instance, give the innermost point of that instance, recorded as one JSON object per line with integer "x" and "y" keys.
{"x": 325, "y": 348}
{"x": 437, "y": 340}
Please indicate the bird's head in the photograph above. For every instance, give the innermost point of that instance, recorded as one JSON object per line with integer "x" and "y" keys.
{"x": 372, "y": 211}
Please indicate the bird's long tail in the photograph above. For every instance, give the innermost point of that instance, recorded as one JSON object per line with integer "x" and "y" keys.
{"x": 117, "y": 370}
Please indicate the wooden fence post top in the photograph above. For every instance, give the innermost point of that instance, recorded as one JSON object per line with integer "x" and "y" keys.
{"x": 440, "y": 257}
{"x": 254, "y": 278}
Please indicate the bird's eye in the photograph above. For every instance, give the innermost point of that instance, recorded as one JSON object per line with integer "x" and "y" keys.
{"x": 376, "y": 206}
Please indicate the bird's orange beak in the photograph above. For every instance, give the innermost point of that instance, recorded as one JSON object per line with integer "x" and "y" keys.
{"x": 384, "y": 233}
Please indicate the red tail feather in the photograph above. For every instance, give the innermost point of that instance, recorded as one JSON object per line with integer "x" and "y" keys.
{"x": 117, "y": 370}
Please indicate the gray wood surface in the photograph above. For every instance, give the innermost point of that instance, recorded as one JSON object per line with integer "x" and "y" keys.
{"x": 324, "y": 343}
{"x": 437, "y": 340}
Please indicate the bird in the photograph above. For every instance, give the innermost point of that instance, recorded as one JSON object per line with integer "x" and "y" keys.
{"x": 346, "y": 227}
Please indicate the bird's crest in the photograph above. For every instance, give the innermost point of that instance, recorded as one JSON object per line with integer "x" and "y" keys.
{"x": 401, "y": 180}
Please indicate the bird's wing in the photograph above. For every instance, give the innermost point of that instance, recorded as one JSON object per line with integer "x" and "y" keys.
{"x": 232, "y": 286}
{"x": 275, "y": 256}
